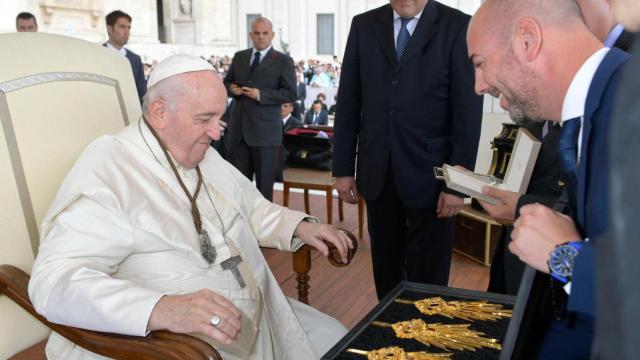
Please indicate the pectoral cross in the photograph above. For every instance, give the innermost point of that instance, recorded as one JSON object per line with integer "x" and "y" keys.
{"x": 232, "y": 264}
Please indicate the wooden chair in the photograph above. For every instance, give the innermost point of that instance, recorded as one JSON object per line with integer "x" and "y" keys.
{"x": 309, "y": 179}
{"x": 57, "y": 94}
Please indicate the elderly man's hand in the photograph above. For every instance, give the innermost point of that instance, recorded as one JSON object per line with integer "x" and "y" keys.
{"x": 537, "y": 232}
{"x": 449, "y": 205}
{"x": 315, "y": 235}
{"x": 251, "y": 93}
{"x": 192, "y": 313}
{"x": 505, "y": 212}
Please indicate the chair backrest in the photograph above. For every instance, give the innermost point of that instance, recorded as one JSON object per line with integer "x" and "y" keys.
{"x": 57, "y": 94}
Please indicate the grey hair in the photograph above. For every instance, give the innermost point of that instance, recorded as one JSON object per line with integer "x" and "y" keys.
{"x": 167, "y": 89}
{"x": 262, "y": 19}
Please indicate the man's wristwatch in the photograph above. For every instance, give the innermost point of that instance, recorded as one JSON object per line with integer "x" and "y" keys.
{"x": 561, "y": 260}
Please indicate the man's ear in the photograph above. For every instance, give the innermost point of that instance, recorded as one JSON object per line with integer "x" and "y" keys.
{"x": 109, "y": 29}
{"x": 157, "y": 114}
{"x": 527, "y": 40}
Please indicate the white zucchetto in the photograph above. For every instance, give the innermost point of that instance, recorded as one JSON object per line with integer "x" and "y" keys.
{"x": 174, "y": 65}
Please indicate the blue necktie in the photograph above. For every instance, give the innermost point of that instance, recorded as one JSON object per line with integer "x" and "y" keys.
{"x": 255, "y": 62}
{"x": 568, "y": 145}
{"x": 568, "y": 155}
{"x": 403, "y": 37}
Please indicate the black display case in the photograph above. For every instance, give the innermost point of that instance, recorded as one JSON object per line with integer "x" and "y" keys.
{"x": 367, "y": 337}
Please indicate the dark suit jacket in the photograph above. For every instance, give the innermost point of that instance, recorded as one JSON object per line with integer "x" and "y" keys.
{"x": 292, "y": 122}
{"x": 222, "y": 145}
{"x": 323, "y": 118}
{"x": 546, "y": 186}
{"x": 411, "y": 115}
{"x": 138, "y": 72}
{"x": 618, "y": 266}
{"x": 259, "y": 122}
{"x": 547, "y": 180}
{"x": 301, "y": 90}
{"x": 624, "y": 41}
{"x": 592, "y": 185}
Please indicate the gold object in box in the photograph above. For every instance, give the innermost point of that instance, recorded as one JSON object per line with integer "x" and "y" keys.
{"x": 466, "y": 310}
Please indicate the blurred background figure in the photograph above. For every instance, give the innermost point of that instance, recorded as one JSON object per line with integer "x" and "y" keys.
{"x": 618, "y": 325}
{"x": 316, "y": 115}
{"x": 118, "y": 30}
{"x": 26, "y": 22}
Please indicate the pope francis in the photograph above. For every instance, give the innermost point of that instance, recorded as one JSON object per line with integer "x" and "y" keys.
{"x": 152, "y": 229}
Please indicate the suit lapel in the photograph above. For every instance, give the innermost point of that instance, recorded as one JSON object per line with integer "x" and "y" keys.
{"x": 614, "y": 59}
{"x": 424, "y": 31}
{"x": 625, "y": 40}
{"x": 384, "y": 33}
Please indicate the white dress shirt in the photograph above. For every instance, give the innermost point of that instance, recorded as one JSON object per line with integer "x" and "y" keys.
{"x": 575, "y": 100}
{"x": 262, "y": 52}
{"x": 411, "y": 26}
{"x": 122, "y": 50}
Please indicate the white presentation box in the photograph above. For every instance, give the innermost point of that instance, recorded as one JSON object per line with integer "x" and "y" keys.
{"x": 516, "y": 179}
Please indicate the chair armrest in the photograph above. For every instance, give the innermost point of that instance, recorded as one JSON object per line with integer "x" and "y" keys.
{"x": 157, "y": 345}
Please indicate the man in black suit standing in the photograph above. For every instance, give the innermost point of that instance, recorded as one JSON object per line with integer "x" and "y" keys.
{"x": 118, "y": 28}
{"x": 260, "y": 80}
{"x": 415, "y": 109}
{"x": 316, "y": 115}
{"x": 301, "y": 93}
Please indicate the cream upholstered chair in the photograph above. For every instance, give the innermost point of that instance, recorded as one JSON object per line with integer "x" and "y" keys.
{"x": 57, "y": 94}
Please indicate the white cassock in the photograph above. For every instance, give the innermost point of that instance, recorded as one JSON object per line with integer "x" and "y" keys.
{"x": 119, "y": 235}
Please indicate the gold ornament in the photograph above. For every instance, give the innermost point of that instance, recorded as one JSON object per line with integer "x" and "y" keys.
{"x": 397, "y": 353}
{"x": 466, "y": 310}
{"x": 454, "y": 336}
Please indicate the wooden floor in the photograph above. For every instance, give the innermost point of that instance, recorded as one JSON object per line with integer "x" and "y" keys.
{"x": 348, "y": 293}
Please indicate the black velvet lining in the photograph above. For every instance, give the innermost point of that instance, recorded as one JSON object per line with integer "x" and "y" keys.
{"x": 375, "y": 337}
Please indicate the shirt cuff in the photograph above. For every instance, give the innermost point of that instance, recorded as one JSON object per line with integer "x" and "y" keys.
{"x": 296, "y": 242}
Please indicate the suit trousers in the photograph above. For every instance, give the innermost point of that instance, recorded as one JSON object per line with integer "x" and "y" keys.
{"x": 261, "y": 161}
{"x": 407, "y": 244}
{"x": 506, "y": 269}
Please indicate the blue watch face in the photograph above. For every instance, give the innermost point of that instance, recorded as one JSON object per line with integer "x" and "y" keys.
{"x": 561, "y": 260}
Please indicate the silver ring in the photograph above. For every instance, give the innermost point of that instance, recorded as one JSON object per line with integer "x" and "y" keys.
{"x": 216, "y": 320}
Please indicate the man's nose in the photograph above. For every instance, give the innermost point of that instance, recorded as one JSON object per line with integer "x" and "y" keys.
{"x": 213, "y": 130}
{"x": 481, "y": 87}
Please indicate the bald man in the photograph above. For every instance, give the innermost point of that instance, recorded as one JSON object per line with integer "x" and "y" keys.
{"x": 542, "y": 61}
{"x": 547, "y": 180}
{"x": 260, "y": 80}
{"x": 152, "y": 230}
